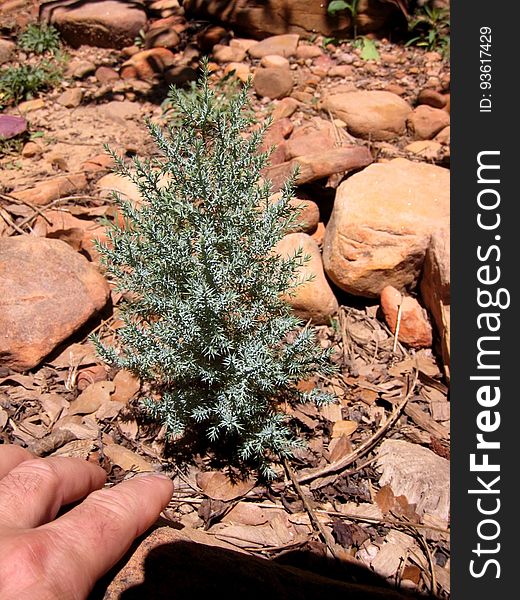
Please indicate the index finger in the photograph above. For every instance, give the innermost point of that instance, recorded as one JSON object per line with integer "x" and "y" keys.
{"x": 94, "y": 535}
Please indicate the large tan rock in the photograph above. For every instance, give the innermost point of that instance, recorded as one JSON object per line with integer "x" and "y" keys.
{"x": 381, "y": 225}
{"x": 436, "y": 290}
{"x": 310, "y": 139}
{"x": 319, "y": 165}
{"x": 278, "y": 45}
{"x": 313, "y": 299}
{"x": 48, "y": 190}
{"x": 146, "y": 63}
{"x": 258, "y": 18}
{"x": 273, "y": 82}
{"x": 425, "y": 122}
{"x": 377, "y": 115}
{"x": 122, "y": 186}
{"x": 190, "y": 563}
{"x": 107, "y": 24}
{"x": 48, "y": 292}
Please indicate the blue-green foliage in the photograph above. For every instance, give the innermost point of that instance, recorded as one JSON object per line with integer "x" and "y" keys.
{"x": 205, "y": 325}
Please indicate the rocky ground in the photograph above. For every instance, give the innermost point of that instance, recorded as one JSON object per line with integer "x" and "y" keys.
{"x": 372, "y": 141}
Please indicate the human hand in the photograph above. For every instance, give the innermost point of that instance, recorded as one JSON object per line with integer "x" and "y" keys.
{"x": 44, "y": 558}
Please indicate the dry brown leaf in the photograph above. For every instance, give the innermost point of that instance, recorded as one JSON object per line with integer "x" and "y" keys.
{"x": 245, "y": 513}
{"x": 339, "y": 447}
{"x": 218, "y": 486}
{"x": 88, "y": 375}
{"x": 367, "y": 396}
{"x": 127, "y": 386}
{"x": 53, "y": 405}
{"x": 331, "y": 412}
{"x": 3, "y": 418}
{"x": 344, "y": 428}
{"x": 108, "y": 410}
{"x": 76, "y": 449}
{"x": 412, "y": 573}
{"x": 127, "y": 459}
{"x": 82, "y": 430}
{"x": 385, "y": 499}
{"x": 306, "y": 385}
{"x": 26, "y": 381}
{"x": 92, "y": 398}
{"x": 128, "y": 428}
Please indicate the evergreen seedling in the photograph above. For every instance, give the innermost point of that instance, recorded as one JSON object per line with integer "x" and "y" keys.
{"x": 204, "y": 322}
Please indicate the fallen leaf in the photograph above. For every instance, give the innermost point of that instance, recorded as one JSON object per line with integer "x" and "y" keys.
{"x": 245, "y": 513}
{"x": 127, "y": 386}
{"x": 127, "y": 459}
{"x": 109, "y": 410}
{"x": 128, "y": 428}
{"x": 385, "y": 499}
{"x": 89, "y": 375}
{"x": 344, "y": 428}
{"x": 367, "y": 396}
{"x": 306, "y": 385}
{"x": 92, "y": 398}
{"x": 53, "y": 405}
{"x": 412, "y": 573}
{"x": 331, "y": 412}
{"x": 26, "y": 381}
{"x": 76, "y": 449}
{"x": 339, "y": 447}
{"x": 3, "y": 418}
{"x": 81, "y": 431}
{"x": 219, "y": 486}
{"x": 348, "y": 534}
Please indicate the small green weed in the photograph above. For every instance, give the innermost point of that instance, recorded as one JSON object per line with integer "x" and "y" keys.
{"x": 11, "y": 147}
{"x": 430, "y": 28}
{"x": 39, "y": 38}
{"x": 368, "y": 48}
{"x": 337, "y": 6}
{"x": 23, "y": 82}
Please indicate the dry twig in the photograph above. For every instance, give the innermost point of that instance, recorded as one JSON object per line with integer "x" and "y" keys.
{"x": 344, "y": 462}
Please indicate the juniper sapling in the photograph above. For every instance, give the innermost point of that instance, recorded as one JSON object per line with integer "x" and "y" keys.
{"x": 204, "y": 322}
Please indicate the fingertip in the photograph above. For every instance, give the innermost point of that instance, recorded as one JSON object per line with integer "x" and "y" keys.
{"x": 11, "y": 456}
{"x": 160, "y": 481}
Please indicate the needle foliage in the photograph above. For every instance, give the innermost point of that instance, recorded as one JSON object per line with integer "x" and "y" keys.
{"x": 204, "y": 322}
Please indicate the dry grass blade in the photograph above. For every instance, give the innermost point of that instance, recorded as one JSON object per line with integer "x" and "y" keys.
{"x": 397, "y": 327}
